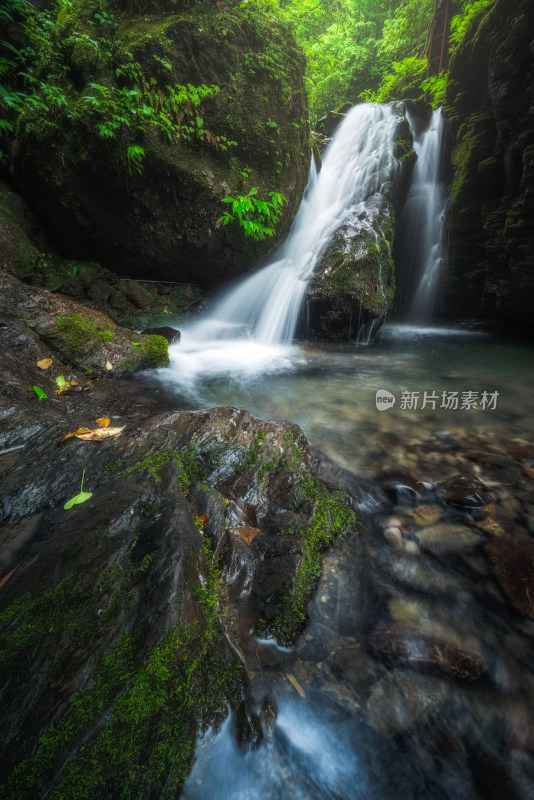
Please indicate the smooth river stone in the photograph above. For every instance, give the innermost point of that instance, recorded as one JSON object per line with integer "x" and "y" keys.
{"x": 465, "y": 490}
{"x": 402, "y": 698}
{"x": 404, "y": 644}
{"x": 448, "y": 538}
{"x": 512, "y": 561}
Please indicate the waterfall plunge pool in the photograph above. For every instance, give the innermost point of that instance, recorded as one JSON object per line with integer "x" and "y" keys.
{"x": 360, "y": 731}
{"x": 330, "y": 391}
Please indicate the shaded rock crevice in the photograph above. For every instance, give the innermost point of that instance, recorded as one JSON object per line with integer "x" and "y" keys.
{"x": 489, "y": 106}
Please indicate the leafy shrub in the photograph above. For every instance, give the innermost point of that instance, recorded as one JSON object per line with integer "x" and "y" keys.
{"x": 404, "y": 81}
{"x": 257, "y": 217}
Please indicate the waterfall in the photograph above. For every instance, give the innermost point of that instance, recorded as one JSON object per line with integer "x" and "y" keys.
{"x": 422, "y": 221}
{"x": 262, "y": 311}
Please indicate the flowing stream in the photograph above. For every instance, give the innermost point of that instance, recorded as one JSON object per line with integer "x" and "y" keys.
{"x": 348, "y": 727}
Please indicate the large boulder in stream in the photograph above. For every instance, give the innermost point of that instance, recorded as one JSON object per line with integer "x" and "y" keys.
{"x": 112, "y": 653}
{"x": 354, "y": 282}
{"x": 165, "y": 114}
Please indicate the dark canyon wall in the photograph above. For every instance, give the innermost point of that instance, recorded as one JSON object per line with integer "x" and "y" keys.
{"x": 490, "y": 106}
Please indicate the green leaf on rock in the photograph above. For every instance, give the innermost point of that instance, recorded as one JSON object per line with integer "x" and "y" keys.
{"x": 39, "y": 392}
{"x": 79, "y": 498}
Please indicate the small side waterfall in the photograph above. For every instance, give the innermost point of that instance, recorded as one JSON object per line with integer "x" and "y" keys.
{"x": 262, "y": 311}
{"x": 422, "y": 221}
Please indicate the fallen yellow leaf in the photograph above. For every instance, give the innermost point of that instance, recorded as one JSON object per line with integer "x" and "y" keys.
{"x": 103, "y": 422}
{"x": 109, "y": 365}
{"x": 66, "y": 386}
{"x": 44, "y": 363}
{"x": 98, "y": 433}
{"x": 74, "y": 433}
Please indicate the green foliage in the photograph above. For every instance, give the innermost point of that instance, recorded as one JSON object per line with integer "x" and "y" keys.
{"x": 78, "y": 498}
{"x": 41, "y": 85}
{"x": 257, "y": 217}
{"x": 403, "y": 81}
{"x": 435, "y": 88}
{"x": 471, "y": 14}
{"x": 405, "y": 30}
{"x": 40, "y": 393}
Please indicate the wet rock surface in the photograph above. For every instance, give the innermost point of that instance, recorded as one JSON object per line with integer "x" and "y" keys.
{"x": 414, "y": 670}
{"x": 40, "y": 324}
{"x": 399, "y": 665}
{"x": 171, "y": 334}
{"x": 118, "y": 595}
{"x": 490, "y": 84}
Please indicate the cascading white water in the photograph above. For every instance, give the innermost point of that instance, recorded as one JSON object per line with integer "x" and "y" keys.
{"x": 423, "y": 220}
{"x": 254, "y": 323}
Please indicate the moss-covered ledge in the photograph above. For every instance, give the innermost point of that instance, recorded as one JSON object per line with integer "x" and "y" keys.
{"x": 78, "y": 336}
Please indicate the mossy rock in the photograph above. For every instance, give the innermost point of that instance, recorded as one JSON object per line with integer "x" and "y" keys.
{"x": 28, "y": 255}
{"x": 81, "y": 337}
{"x": 163, "y": 223}
{"x": 354, "y": 284}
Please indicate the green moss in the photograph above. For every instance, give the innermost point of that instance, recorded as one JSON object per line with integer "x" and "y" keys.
{"x": 332, "y": 517}
{"x": 152, "y": 353}
{"x": 357, "y": 272}
{"x": 113, "y": 465}
{"x": 133, "y": 731}
{"x": 254, "y": 450}
{"x": 190, "y": 470}
{"x": 75, "y": 336}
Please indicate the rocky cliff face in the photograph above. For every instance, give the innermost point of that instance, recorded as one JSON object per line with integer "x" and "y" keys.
{"x": 227, "y": 90}
{"x": 490, "y": 105}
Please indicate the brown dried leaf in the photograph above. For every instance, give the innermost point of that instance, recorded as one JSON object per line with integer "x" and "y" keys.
{"x": 44, "y": 363}
{"x": 203, "y": 520}
{"x": 7, "y": 577}
{"x": 247, "y": 534}
{"x": 74, "y": 433}
{"x": 98, "y": 433}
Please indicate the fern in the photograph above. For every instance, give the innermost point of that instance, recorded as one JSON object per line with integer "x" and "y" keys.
{"x": 257, "y": 217}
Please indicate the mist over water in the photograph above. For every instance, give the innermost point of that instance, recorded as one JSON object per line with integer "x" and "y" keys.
{"x": 251, "y": 328}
